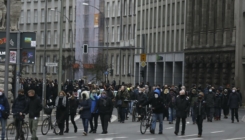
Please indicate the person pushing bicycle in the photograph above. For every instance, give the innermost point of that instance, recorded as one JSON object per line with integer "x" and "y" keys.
{"x": 19, "y": 109}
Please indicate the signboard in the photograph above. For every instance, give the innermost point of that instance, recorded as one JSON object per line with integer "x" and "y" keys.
{"x": 142, "y": 57}
{"x": 12, "y": 40}
{"x": 12, "y": 57}
{"x": 27, "y": 56}
{"x": 28, "y": 40}
{"x": 96, "y": 20}
{"x": 48, "y": 64}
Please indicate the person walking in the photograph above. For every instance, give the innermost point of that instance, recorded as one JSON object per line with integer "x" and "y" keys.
{"x": 4, "y": 112}
{"x": 105, "y": 108}
{"x": 199, "y": 109}
{"x": 210, "y": 98}
{"x": 85, "y": 111}
{"x": 73, "y": 105}
{"x": 171, "y": 99}
{"x": 217, "y": 105}
{"x": 193, "y": 99}
{"x": 182, "y": 107}
{"x": 123, "y": 96}
{"x": 94, "y": 113}
{"x": 34, "y": 108}
{"x": 19, "y": 109}
{"x": 234, "y": 102}
{"x": 61, "y": 110}
{"x": 225, "y": 103}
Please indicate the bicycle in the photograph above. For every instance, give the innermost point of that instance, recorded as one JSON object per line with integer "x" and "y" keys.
{"x": 48, "y": 123}
{"x": 146, "y": 122}
{"x": 24, "y": 129}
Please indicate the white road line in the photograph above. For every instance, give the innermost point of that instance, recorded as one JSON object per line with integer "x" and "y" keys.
{"x": 147, "y": 139}
{"x": 63, "y": 138}
{"x": 110, "y": 134}
{"x": 169, "y": 128}
{"x": 217, "y": 132}
{"x": 235, "y": 138}
{"x": 187, "y": 136}
{"x": 193, "y": 139}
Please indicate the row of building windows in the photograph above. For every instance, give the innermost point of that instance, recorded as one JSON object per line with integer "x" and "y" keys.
{"x": 114, "y": 8}
{"x": 54, "y": 37}
{"x": 126, "y": 64}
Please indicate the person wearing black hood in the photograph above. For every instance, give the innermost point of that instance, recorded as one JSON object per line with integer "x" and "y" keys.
{"x": 234, "y": 102}
{"x": 182, "y": 107}
{"x": 19, "y": 109}
{"x": 4, "y": 110}
{"x": 225, "y": 103}
{"x": 218, "y": 104}
{"x": 210, "y": 98}
{"x": 200, "y": 112}
{"x": 34, "y": 108}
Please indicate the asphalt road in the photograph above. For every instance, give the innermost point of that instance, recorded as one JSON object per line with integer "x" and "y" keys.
{"x": 217, "y": 130}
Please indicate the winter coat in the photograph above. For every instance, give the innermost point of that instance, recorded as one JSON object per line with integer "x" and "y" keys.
{"x": 4, "y": 102}
{"x": 133, "y": 94}
{"x": 109, "y": 94}
{"x": 234, "y": 100}
{"x": 61, "y": 108}
{"x": 20, "y": 105}
{"x": 200, "y": 108}
{"x": 104, "y": 105}
{"x": 34, "y": 107}
{"x": 218, "y": 101}
{"x": 225, "y": 100}
{"x": 73, "y": 104}
{"x": 141, "y": 98}
{"x": 124, "y": 96}
{"x": 171, "y": 99}
{"x": 86, "y": 105}
{"x": 193, "y": 98}
{"x": 210, "y": 98}
{"x": 182, "y": 105}
{"x": 94, "y": 101}
{"x": 157, "y": 104}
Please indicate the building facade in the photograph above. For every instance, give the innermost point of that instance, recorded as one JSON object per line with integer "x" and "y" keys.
{"x": 161, "y": 34}
{"x": 120, "y": 31}
{"x": 32, "y": 19}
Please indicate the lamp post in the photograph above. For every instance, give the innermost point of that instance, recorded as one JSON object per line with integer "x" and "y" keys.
{"x": 107, "y": 43}
{"x": 71, "y": 41}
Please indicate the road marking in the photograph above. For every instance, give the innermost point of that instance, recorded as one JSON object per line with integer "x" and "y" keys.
{"x": 63, "y": 138}
{"x": 169, "y": 128}
{"x": 148, "y": 139}
{"x": 193, "y": 139}
{"x": 187, "y": 136}
{"x": 111, "y": 138}
{"x": 235, "y": 138}
{"x": 110, "y": 134}
{"x": 217, "y": 132}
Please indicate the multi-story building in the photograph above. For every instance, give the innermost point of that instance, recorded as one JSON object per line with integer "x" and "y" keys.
{"x": 32, "y": 19}
{"x": 120, "y": 29}
{"x": 161, "y": 33}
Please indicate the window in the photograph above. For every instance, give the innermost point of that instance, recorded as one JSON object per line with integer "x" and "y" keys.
{"x": 35, "y": 16}
{"x": 150, "y": 44}
{"x": 118, "y": 65}
{"x": 55, "y": 68}
{"x": 138, "y": 24}
{"x": 22, "y": 17}
{"x": 113, "y": 34}
{"x": 134, "y": 6}
{"x": 168, "y": 22}
{"x": 182, "y": 39}
{"x": 64, "y": 17}
{"x": 143, "y": 19}
{"x": 48, "y": 60}
{"x": 129, "y": 64}
{"x": 158, "y": 42}
{"x": 134, "y": 31}
{"x": 172, "y": 41}
{"x": 119, "y": 8}
{"x": 129, "y": 32}
{"x": 70, "y": 13}
{"x": 125, "y": 7}
{"x": 112, "y": 62}
{"x": 107, "y": 34}
{"x": 70, "y": 36}
{"x": 151, "y": 17}
{"x": 124, "y": 32}
{"x": 183, "y": 12}
{"x": 42, "y": 15}
{"x": 108, "y": 9}
{"x": 113, "y": 8}
{"x": 64, "y": 38}
{"x": 167, "y": 45}
{"x": 146, "y": 19}
{"x": 55, "y": 37}
{"x": 163, "y": 41}
{"x": 28, "y": 16}
{"x": 56, "y": 15}
{"x": 173, "y": 13}
{"x": 159, "y": 16}
{"x": 130, "y": 7}
{"x": 34, "y": 68}
{"x": 178, "y": 16}
{"x": 177, "y": 40}
{"x": 155, "y": 17}
{"x": 42, "y": 37}
{"x": 163, "y": 16}
{"x": 124, "y": 64}
{"x": 41, "y": 64}
{"x": 49, "y": 15}
{"x": 49, "y": 38}
{"x": 118, "y": 33}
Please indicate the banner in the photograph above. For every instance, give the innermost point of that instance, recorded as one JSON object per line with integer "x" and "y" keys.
{"x": 96, "y": 20}
{"x": 12, "y": 57}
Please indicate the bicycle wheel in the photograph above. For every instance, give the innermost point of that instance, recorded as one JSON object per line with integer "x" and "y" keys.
{"x": 143, "y": 125}
{"x": 56, "y": 128}
{"x": 45, "y": 126}
{"x": 134, "y": 115}
{"x": 10, "y": 132}
{"x": 25, "y": 130}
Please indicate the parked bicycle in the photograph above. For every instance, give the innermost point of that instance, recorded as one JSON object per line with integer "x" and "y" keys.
{"x": 146, "y": 122}
{"x": 48, "y": 124}
{"x": 23, "y": 131}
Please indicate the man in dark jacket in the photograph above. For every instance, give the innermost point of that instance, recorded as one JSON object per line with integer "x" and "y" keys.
{"x": 225, "y": 103}
{"x": 182, "y": 106}
{"x": 34, "y": 108}
{"x": 141, "y": 98}
{"x": 124, "y": 96}
{"x": 210, "y": 98}
{"x": 218, "y": 104}
{"x": 171, "y": 99}
{"x": 4, "y": 110}
{"x": 193, "y": 99}
{"x": 104, "y": 107}
{"x": 157, "y": 105}
{"x": 234, "y": 102}
{"x": 19, "y": 109}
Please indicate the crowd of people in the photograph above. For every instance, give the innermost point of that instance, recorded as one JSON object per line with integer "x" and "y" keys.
{"x": 91, "y": 102}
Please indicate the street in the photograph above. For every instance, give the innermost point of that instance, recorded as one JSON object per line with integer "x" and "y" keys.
{"x": 217, "y": 130}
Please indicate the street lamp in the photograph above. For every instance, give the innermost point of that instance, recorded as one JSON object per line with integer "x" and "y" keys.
{"x": 71, "y": 41}
{"x": 107, "y": 44}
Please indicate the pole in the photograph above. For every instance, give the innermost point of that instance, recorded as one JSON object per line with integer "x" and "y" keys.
{"x": 120, "y": 39}
{"x": 17, "y": 66}
{"x": 60, "y": 44}
{"x": 6, "y": 73}
{"x": 107, "y": 45}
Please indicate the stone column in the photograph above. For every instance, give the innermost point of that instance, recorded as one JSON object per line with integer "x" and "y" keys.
{"x": 201, "y": 74}
{"x": 216, "y": 74}
{"x": 227, "y": 25}
{"x": 211, "y": 15}
{"x": 209, "y": 74}
{"x": 196, "y": 38}
{"x": 225, "y": 75}
{"x": 194, "y": 73}
{"x": 204, "y": 20}
{"x": 189, "y": 23}
{"x": 233, "y": 41}
{"x": 219, "y": 22}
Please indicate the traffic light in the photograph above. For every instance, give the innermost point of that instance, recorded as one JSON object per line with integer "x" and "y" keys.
{"x": 142, "y": 73}
{"x": 111, "y": 71}
{"x": 85, "y": 48}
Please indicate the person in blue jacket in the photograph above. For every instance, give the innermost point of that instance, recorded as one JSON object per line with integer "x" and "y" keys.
{"x": 4, "y": 109}
{"x": 94, "y": 97}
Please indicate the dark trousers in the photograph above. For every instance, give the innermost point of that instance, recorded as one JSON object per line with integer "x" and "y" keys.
{"x": 234, "y": 112}
{"x": 210, "y": 113}
{"x": 67, "y": 122}
{"x": 61, "y": 125}
{"x": 18, "y": 125}
{"x": 94, "y": 121}
{"x": 199, "y": 122}
{"x": 178, "y": 123}
{"x": 72, "y": 120}
{"x": 226, "y": 111}
{"x": 122, "y": 113}
{"x": 104, "y": 118}
{"x": 217, "y": 112}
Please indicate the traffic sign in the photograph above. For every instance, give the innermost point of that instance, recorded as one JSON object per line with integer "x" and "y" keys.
{"x": 48, "y": 64}
{"x": 142, "y": 57}
{"x": 143, "y": 64}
